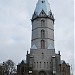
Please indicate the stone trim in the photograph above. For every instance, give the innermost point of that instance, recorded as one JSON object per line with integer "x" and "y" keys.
{"x": 42, "y": 27}
{"x": 43, "y": 39}
{"x": 43, "y": 17}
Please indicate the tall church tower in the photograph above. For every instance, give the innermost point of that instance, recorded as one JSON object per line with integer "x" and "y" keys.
{"x": 42, "y": 26}
{"x": 42, "y": 52}
{"x": 42, "y": 59}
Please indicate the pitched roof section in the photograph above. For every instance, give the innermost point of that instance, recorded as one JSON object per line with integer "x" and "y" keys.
{"x": 42, "y": 5}
{"x": 50, "y": 47}
{"x": 34, "y": 47}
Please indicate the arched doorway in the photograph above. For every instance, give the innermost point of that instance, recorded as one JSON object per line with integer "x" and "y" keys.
{"x": 42, "y": 73}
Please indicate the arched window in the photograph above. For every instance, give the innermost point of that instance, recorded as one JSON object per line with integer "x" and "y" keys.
{"x": 40, "y": 64}
{"x": 47, "y": 64}
{"x": 44, "y": 65}
{"x": 42, "y": 55}
{"x": 37, "y": 64}
{"x": 42, "y": 23}
{"x": 42, "y": 33}
{"x": 42, "y": 44}
{"x": 63, "y": 69}
{"x": 22, "y": 71}
{"x": 34, "y": 64}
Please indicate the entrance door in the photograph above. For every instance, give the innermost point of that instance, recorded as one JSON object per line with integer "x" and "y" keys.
{"x": 42, "y": 73}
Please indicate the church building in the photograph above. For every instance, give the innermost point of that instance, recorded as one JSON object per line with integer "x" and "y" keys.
{"x": 42, "y": 59}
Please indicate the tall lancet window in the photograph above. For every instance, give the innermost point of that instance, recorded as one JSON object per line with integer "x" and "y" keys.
{"x": 40, "y": 64}
{"x": 22, "y": 71}
{"x": 42, "y": 23}
{"x": 44, "y": 64}
{"x": 42, "y": 55}
{"x": 42, "y": 44}
{"x": 42, "y": 33}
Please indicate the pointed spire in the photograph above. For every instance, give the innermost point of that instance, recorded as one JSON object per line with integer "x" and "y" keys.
{"x": 42, "y": 5}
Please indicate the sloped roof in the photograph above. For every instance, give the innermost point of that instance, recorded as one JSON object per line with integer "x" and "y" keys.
{"x": 50, "y": 47}
{"x": 23, "y": 61}
{"x": 62, "y": 61}
{"x": 42, "y": 5}
{"x": 34, "y": 47}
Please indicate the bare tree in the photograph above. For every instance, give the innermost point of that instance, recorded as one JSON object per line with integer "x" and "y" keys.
{"x": 11, "y": 67}
{"x": 8, "y": 67}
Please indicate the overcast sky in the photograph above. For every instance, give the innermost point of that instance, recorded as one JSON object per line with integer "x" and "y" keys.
{"x": 15, "y": 28}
